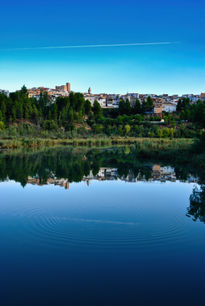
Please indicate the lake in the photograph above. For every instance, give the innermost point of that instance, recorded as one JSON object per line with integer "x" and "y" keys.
{"x": 100, "y": 227}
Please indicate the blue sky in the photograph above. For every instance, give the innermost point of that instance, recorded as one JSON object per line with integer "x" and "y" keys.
{"x": 173, "y": 68}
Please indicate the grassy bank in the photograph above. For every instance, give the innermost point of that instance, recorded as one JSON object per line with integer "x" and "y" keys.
{"x": 143, "y": 144}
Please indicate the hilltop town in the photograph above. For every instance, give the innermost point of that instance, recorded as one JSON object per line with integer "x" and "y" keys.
{"x": 162, "y": 103}
{"x": 60, "y": 113}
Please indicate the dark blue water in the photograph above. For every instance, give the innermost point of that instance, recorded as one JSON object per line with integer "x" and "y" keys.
{"x": 109, "y": 242}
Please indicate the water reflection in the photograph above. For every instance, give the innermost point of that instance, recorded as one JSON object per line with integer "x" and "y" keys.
{"x": 62, "y": 166}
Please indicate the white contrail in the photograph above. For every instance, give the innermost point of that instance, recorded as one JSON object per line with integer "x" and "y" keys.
{"x": 94, "y": 46}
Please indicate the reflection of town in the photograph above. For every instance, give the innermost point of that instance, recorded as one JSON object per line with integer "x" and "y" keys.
{"x": 52, "y": 180}
{"x": 158, "y": 173}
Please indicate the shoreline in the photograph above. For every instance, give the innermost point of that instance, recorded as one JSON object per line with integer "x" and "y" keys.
{"x": 152, "y": 143}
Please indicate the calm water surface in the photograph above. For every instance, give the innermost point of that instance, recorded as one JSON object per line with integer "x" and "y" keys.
{"x": 99, "y": 228}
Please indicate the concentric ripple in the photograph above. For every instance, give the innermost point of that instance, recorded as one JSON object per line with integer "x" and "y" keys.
{"x": 57, "y": 231}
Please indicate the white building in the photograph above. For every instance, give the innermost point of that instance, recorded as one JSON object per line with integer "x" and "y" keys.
{"x": 99, "y": 98}
{"x": 90, "y": 98}
{"x": 112, "y": 101}
{"x": 169, "y": 107}
{"x": 102, "y": 101}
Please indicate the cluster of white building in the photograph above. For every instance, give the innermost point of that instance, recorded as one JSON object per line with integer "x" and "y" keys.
{"x": 58, "y": 91}
{"x": 111, "y": 100}
{"x": 162, "y": 103}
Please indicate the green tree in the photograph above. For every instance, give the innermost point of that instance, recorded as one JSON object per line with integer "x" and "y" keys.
{"x": 137, "y": 107}
{"x": 97, "y": 110}
{"x": 87, "y": 107}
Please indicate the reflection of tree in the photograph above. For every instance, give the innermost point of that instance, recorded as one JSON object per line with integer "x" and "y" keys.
{"x": 182, "y": 172}
{"x": 196, "y": 209}
{"x": 73, "y": 164}
{"x": 95, "y": 167}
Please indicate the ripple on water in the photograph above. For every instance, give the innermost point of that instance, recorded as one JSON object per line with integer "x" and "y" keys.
{"x": 58, "y": 231}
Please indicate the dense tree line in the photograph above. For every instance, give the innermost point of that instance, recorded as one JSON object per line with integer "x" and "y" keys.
{"x": 138, "y": 108}
{"x": 64, "y": 111}
{"x": 74, "y": 114}
{"x": 194, "y": 112}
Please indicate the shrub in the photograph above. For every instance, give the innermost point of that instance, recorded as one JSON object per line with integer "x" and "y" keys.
{"x": 98, "y": 128}
{"x": 50, "y": 125}
{"x": 127, "y": 129}
{"x": 2, "y": 126}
